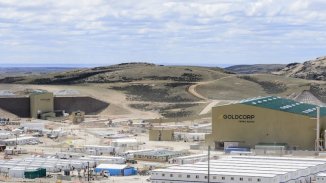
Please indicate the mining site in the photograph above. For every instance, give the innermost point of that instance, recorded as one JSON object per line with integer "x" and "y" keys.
{"x": 119, "y": 123}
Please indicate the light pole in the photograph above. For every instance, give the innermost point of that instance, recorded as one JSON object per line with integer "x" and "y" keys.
{"x": 88, "y": 171}
{"x": 16, "y": 140}
{"x": 208, "y": 169}
{"x": 317, "y": 129}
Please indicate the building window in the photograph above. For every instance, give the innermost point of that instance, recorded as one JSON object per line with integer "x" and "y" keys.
{"x": 163, "y": 174}
{"x": 232, "y": 178}
{"x": 250, "y": 179}
{"x": 205, "y": 177}
{"x": 197, "y": 176}
{"x": 214, "y": 177}
{"x": 179, "y": 175}
{"x": 223, "y": 178}
{"x": 171, "y": 175}
{"x": 258, "y": 180}
{"x": 241, "y": 179}
{"x": 188, "y": 176}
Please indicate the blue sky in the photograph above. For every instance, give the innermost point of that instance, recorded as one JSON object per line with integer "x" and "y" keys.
{"x": 185, "y": 32}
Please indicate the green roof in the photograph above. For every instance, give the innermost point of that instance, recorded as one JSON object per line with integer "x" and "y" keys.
{"x": 285, "y": 105}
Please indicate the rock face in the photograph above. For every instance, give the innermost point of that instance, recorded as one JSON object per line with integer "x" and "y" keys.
{"x": 312, "y": 69}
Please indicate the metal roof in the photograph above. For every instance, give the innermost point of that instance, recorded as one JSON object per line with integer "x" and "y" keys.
{"x": 305, "y": 160}
{"x": 285, "y": 105}
{"x": 234, "y": 173}
{"x": 261, "y": 165}
{"x": 159, "y": 153}
{"x": 112, "y": 166}
{"x": 230, "y": 166}
{"x": 239, "y": 169}
{"x": 322, "y": 174}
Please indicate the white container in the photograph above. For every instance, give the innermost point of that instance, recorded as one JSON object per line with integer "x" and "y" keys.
{"x": 17, "y": 172}
{"x": 5, "y": 168}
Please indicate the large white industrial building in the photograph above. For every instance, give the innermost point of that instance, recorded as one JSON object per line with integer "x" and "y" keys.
{"x": 243, "y": 170}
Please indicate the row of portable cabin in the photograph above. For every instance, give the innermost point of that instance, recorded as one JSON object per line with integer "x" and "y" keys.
{"x": 117, "y": 146}
{"x": 49, "y": 164}
{"x": 28, "y": 173}
{"x": 244, "y": 170}
{"x": 189, "y": 159}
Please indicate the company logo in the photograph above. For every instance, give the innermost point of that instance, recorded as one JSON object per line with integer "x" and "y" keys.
{"x": 239, "y": 116}
{"x": 242, "y": 118}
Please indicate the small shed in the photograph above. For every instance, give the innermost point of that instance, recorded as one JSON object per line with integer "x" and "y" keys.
{"x": 116, "y": 170}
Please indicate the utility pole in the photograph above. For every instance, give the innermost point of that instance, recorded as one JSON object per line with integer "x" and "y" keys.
{"x": 16, "y": 141}
{"x": 88, "y": 171}
{"x": 318, "y": 129}
{"x": 208, "y": 168}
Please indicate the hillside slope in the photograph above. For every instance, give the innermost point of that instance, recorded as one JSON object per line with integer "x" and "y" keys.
{"x": 126, "y": 72}
{"x": 312, "y": 70}
{"x": 143, "y": 88}
{"x": 254, "y": 69}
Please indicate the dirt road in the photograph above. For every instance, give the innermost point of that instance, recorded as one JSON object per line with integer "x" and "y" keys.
{"x": 210, "y": 103}
{"x": 192, "y": 89}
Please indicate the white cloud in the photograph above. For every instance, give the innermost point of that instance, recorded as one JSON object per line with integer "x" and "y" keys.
{"x": 163, "y": 24}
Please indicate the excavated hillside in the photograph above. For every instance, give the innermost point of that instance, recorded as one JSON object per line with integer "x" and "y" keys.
{"x": 312, "y": 70}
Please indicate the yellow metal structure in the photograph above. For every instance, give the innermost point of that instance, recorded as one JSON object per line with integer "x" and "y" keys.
{"x": 250, "y": 125}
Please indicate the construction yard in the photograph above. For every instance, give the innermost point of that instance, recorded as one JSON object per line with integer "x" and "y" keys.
{"x": 84, "y": 141}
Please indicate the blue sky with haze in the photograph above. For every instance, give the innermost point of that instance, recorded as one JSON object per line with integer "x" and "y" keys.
{"x": 187, "y": 32}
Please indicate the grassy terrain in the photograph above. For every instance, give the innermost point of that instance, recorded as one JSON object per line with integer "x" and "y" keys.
{"x": 171, "y": 110}
{"x": 162, "y": 92}
{"x": 235, "y": 88}
{"x": 128, "y": 72}
{"x": 270, "y": 87}
{"x": 171, "y": 100}
{"x": 254, "y": 69}
{"x": 29, "y": 71}
{"x": 319, "y": 90}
